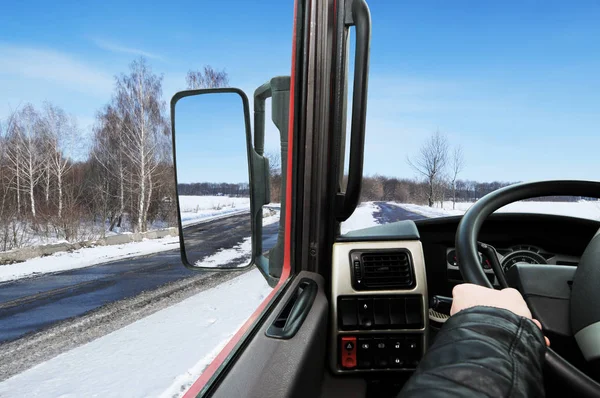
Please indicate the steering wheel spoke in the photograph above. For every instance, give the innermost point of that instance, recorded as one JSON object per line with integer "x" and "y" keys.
{"x": 490, "y": 252}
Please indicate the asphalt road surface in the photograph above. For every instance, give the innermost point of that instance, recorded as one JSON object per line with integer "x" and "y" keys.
{"x": 31, "y": 304}
{"x": 389, "y": 213}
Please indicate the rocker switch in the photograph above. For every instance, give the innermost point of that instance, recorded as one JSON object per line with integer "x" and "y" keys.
{"x": 365, "y": 313}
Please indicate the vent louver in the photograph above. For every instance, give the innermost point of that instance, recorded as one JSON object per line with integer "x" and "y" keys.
{"x": 390, "y": 269}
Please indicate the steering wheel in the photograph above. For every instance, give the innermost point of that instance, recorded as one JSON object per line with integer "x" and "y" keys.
{"x": 584, "y": 306}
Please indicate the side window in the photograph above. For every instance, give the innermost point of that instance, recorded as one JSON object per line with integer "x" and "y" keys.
{"x": 91, "y": 281}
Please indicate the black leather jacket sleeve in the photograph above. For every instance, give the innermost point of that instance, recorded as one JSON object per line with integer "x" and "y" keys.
{"x": 482, "y": 352}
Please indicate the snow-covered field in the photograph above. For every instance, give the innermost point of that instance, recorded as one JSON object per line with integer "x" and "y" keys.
{"x": 582, "y": 209}
{"x": 85, "y": 257}
{"x": 361, "y": 218}
{"x": 158, "y": 356}
{"x": 203, "y": 208}
{"x": 193, "y": 209}
{"x": 199, "y": 208}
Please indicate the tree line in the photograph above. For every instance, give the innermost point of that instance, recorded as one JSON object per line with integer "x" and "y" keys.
{"x": 406, "y": 190}
{"x": 240, "y": 190}
{"x": 417, "y": 191}
{"x": 437, "y": 165}
{"x": 58, "y": 182}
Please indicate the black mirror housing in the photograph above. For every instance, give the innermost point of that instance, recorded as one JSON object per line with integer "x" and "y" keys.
{"x": 270, "y": 261}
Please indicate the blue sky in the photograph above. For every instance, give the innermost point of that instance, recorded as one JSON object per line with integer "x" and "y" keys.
{"x": 515, "y": 83}
{"x": 215, "y": 118}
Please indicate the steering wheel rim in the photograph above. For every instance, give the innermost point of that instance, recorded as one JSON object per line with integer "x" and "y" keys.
{"x": 472, "y": 272}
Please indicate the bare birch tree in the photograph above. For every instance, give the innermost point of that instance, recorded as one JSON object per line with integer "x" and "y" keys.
{"x": 63, "y": 144}
{"x": 45, "y": 166}
{"x": 108, "y": 151}
{"x": 457, "y": 165}
{"x": 7, "y": 206}
{"x": 139, "y": 104}
{"x": 12, "y": 154}
{"x": 208, "y": 78}
{"x": 24, "y": 153}
{"x": 431, "y": 163}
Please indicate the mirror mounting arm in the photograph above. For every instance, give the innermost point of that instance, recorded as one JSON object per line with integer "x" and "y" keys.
{"x": 278, "y": 89}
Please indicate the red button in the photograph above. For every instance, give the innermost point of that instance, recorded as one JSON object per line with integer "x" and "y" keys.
{"x": 348, "y": 352}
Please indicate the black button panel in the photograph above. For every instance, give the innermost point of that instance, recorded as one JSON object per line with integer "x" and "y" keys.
{"x": 348, "y": 313}
{"x": 397, "y": 313}
{"x": 377, "y": 352}
{"x": 380, "y": 312}
{"x": 414, "y": 315}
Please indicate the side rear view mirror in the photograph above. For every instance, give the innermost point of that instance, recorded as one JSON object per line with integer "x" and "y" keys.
{"x": 211, "y": 147}
{"x": 223, "y": 180}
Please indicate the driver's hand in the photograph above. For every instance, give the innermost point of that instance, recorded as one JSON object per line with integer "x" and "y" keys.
{"x": 468, "y": 295}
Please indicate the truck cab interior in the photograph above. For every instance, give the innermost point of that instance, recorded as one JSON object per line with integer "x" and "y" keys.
{"x": 364, "y": 335}
{"x": 352, "y": 315}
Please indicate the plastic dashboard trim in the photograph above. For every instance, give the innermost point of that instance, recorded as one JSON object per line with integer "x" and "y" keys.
{"x": 342, "y": 286}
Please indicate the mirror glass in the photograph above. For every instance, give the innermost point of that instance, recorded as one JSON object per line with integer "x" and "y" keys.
{"x": 213, "y": 180}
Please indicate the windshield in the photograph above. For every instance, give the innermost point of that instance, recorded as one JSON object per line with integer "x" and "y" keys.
{"x": 467, "y": 98}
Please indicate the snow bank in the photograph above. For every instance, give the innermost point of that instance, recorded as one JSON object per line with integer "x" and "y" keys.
{"x": 272, "y": 219}
{"x": 429, "y": 211}
{"x": 198, "y": 208}
{"x": 582, "y": 209}
{"x": 271, "y": 213}
{"x": 240, "y": 255}
{"x": 85, "y": 257}
{"x": 35, "y": 235}
{"x": 160, "y": 355}
{"x": 361, "y": 218}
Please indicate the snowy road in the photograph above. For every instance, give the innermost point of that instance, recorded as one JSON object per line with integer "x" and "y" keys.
{"x": 388, "y": 213}
{"x": 28, "y": 305}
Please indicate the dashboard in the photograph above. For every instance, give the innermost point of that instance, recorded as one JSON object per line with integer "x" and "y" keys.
{"x": 529, "y": 238}
{"x": 520, "y": 253}
{"x": 383, "y": 277}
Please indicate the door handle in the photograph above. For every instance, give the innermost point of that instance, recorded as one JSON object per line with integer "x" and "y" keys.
{"x": 295, "y": 311}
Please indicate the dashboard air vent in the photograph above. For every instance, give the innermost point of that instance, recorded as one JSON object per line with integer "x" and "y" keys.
{"x": 389, "y": 269}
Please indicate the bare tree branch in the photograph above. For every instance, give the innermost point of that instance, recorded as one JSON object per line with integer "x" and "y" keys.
{"x": 209, "y": 78}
